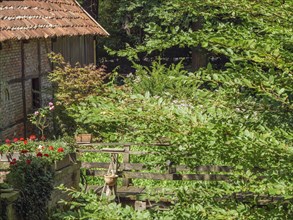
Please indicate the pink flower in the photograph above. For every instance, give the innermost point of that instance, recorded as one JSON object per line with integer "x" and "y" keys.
{"x": 51, "y": 108}
{"x": 33, "y": 137}
{"x": 15, "y": 140}
{"x": 51, "y": 104}
{"x": 7, "y": 141}
{"x": 36, "y": 113}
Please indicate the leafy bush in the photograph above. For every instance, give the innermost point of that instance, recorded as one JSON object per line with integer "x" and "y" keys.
{"x": 160, "y": 80}
{"x": 72, "y": 84}
{"x": 34, "y": 179}
{"x": 88, "y": 205}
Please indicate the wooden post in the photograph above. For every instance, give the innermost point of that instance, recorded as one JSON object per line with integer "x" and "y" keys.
{"x": 199, "y": 55}
{"x": 126, "y": 159}
{"x": 23, "y": 88}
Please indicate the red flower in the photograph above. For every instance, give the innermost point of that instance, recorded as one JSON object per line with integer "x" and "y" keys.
{"x": 60, "y": 149}
{"x": 51, "y": 148}
{"x": 21, "y": 139}
{"x": 28, "y": 162}
{"x": 46, "y": 155}
{"x": 25, "y": 142}
{"x": 39, "y": 154}
{"x": 13, "y": 162}
{"x": 7, "y": 141}
{"x": 33, "y": 137}
{"x": 15, "y": 140}
{"x": 23, "y": 151}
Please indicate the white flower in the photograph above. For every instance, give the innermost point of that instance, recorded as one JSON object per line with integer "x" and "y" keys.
{"x": 40, "y": 147}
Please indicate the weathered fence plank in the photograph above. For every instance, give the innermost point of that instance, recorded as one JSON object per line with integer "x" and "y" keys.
{"x": 124, "y": 144}
{"x": 139, "y": 166}
{"x": 161, "y": 176}
{"x": 176, "y": 176}
{"x": 112, "y": 151}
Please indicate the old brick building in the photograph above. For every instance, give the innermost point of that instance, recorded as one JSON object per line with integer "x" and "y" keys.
{"x": 29, "y": 30}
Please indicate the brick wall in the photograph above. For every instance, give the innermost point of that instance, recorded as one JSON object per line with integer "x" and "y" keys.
{"x": 10, "y": 69}
{"x": 11, "y": 90}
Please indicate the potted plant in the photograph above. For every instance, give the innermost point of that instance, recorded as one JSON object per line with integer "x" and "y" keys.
{"x": 82, "y": 136}
{"x": 110, "y": 179}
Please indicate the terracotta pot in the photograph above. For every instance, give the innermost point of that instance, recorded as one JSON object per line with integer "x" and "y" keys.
{"x": 110, "y": 180}
{"x": 83, "y": 138}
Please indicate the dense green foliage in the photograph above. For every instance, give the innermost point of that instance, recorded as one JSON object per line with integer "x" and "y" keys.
{"x": 236, "y": 113}
{"x": 33, "y": 177}
{"x": 91, "y": 207}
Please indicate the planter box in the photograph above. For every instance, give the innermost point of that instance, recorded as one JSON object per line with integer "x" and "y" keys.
{"x": 65, "y": 162}
{"x": 68, "y": 160}
{"x": 69, "y": 177}
{"x": 6, "y": 157}
{"x": 83, "y": 138}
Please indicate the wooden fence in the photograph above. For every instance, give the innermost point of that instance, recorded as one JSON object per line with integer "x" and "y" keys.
{"x": 128, "y": 170}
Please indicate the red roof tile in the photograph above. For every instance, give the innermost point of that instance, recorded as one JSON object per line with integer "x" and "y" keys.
{"x": 25, "y": 19}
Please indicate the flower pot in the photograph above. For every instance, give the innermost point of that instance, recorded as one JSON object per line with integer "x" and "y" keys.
{"x": 110, "y": 180}
{"x": 83, "y": 138}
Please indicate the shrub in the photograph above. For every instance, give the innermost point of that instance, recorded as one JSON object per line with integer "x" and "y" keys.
{"x": 73, "y": 83}
{"x": 33, "y": 177}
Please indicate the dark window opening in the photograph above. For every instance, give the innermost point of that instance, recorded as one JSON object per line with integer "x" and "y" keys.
{"x": 36, "y": 95}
